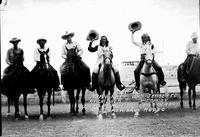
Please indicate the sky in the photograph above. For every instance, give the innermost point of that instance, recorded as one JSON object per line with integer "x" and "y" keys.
{"x": 169, "y": 23}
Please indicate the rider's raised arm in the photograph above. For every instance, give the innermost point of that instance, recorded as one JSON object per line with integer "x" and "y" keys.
{"x": 79, "y": 50}
{"x": 135, "y": 42}
{"x": 92, "y": 49}
{"x": 64, "y": 52}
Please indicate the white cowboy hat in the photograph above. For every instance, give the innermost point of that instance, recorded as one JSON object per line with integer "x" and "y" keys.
{"x": 92, "y": 35}
{"x": 67, "y": 34}
{"x": 41, "y": 39}
{"x": 194, "y": 35}
{"x": 14, "y": 40}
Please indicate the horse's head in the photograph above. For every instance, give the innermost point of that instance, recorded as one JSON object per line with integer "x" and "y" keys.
{"x": 44, "y": 57}
{"x": 107, "y": 55}
{"x": 149, "y": 57}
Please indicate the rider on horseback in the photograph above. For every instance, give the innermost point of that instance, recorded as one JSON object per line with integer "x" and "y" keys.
{"x": 42, "y": 50}
{"x": 192, "y": 50}
{"x": 146, "y": 44}
{"x": 68, "y": 45}
{"x": 99, "y": 48}
{"x": 15, "y": 58}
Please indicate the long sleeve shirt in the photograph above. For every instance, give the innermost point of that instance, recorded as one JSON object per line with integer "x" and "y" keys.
{"x": 192, "y": 48}
{"x": 72, "y": 45}
{"x": 37, "y": 54}
{"x": 99, "y": 49}
{"x": 11, "y": 54}
{"x": 144, "y": 47}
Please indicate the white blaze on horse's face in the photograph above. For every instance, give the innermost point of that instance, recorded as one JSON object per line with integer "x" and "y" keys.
{"x": 107, "y": 57}
{"x": 149, "y": 56}
{"x": 46, "y": 62}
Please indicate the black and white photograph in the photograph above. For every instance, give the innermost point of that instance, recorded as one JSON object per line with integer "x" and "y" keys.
{"x": 100, "y": 68}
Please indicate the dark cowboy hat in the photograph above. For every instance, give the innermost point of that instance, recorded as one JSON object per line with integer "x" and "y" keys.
{"x": 15, "y": 40}
{"x": 92, "y": 35}
{"x": 67, "y": 33}
{"x": 41, "y": 39}
{"x": 134, "y": 26}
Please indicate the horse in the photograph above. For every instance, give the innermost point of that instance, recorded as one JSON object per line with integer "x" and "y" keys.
{"x": 15, "y": 82}
{"x": 192, "y": 81}
{"x": 43, "y": 80}
{"x": 148, "y": 78}
{"x": 73, "y": 76}
{"x": 106, "y": 83}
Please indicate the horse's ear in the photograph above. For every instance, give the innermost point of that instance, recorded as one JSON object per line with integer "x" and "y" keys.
{"x": 47, "y": 50}
{"x": 152, "y": 47}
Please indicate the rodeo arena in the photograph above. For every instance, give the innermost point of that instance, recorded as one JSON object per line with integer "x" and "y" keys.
{"x": 85, "y": 97}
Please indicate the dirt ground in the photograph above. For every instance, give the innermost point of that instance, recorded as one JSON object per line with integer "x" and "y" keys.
{"x": 174, "y": 121}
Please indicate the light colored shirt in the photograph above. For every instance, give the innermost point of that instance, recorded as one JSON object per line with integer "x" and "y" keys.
{"x": 37, "y": 54}
{"x": 192, "y": 48}
{"x": 10, "y": 55}
{"x": 143, "y": 47}
{"x": 101, "y": 50}
{"x": 72, "y": 45}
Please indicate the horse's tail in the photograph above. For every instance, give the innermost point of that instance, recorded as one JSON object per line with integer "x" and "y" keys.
{"x": 182, "y": 84}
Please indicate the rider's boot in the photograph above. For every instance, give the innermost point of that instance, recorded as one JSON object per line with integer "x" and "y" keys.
{"x": 119, "y": 85}
{"x": 161, "y": 78}
{"x": 94, "y": 82}
{"x": 137, "y": 81}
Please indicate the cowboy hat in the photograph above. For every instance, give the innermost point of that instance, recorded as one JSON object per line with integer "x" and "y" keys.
{"x": 67, "y": 34}
{"x": 134, "y": 26}
{"x": 41, "y": 39}
{"x": 194, "y": 35}
{"x": 92, "y": 35}
{"x": 14, "y": 40}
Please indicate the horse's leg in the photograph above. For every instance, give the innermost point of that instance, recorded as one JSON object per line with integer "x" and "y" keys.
{"x": 181, "y": 94}
{"x": 112, "y": 103}
{"x": 49, "y": 102}
{"x": 83, "y": 100}
{"x": 189, "y": 95}
{"x": 41, "y": 94}
{"x": 105, "y": 101}
{"x": 25, "y": 105}
{"x": 194, "y": 97}
{"x": 77, "y": 99}
{"x": 72, "y": 100}
{"x": 16, "y": 104}
{"x": 100, "y": 104}
{"x": 9, "y": 103}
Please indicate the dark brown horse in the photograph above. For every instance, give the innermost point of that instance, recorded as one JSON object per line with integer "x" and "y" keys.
{"x": 43, "y": 80}
{"x": 74, "y": 76}
{"x": 192, "y": 80}
{"x": 15, "y": 82}
{"x": 106, "y": 83}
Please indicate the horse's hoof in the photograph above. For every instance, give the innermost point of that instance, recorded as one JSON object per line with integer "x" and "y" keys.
{"x": 194, "y": 108}
{"x": 16, "y": 118}
{"x": 136, "y": 114}
{"x": 83, "y": 111}
{"x": 100, "y": 117}
{"x": 8, "y": 114}
{"x": 41, "y": 117}
{"x": 49, "y": 118}
{"x": 114, "y": 115}
{"x": 26, "y": 117}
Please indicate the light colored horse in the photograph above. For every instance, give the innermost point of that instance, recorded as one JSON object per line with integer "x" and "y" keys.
{"x": 148, "y": 78}
{"x": 106, "y": 83}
